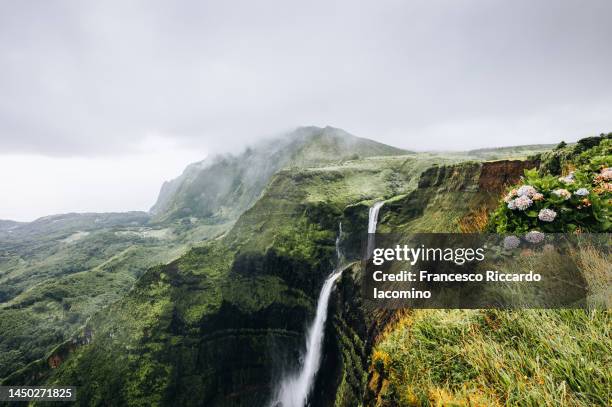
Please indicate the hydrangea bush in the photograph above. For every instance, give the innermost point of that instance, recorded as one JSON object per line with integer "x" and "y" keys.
{"x": 577, "y": 200}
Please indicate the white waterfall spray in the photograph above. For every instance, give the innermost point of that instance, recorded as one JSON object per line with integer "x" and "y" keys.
{"x": 372, "y": 222}
{"x": 293, "y": 390}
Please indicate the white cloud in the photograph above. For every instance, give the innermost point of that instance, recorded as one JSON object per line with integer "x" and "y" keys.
{"x": 35, "y": 185}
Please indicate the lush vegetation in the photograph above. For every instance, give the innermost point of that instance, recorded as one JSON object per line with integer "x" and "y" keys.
{"x": 576, "y": 198}
{"x": 218, "y": 323}
{"x": 58, "y": 271}
{"x": 495, "y": 358}
{"x": 48, "y": 299}
{"x": 230, "y": 298}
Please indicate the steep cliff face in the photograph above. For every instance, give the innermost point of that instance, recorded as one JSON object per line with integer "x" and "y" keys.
{"x": 497, "y": 175}
{"x": 451, "y": 198}
{"x": 447, "y": 199}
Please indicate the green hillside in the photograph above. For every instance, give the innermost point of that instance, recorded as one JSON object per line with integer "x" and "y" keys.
{"x": 57, "y": 271}
{"x": 206, "y": 302}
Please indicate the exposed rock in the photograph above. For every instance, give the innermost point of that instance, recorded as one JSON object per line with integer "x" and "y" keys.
{"x": 495, "y": 176}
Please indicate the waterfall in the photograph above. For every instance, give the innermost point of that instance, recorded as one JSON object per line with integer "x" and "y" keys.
{"x": 339, "y": 254}
{"x": 372, "y": 222}
{"x": 373, "y": 216}
{"x": 294, "y": 389}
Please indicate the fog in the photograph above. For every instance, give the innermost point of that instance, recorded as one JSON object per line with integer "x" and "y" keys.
{"x": 34, "y": 185}
{"x": 85, "y": 80}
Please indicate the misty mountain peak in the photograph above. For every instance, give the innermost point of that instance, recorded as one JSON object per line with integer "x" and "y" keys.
{"x": 223, "y": 186}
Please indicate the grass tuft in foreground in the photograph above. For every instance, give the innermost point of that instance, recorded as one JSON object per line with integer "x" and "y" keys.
{"x": 489, "y": 358}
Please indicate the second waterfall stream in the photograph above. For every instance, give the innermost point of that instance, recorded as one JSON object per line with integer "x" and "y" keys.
{"x": 294, "y": 389}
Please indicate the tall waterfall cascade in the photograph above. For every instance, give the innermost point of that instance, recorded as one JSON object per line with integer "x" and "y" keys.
{"x": 294, "y": 389}
{"x": 372, "y": 223}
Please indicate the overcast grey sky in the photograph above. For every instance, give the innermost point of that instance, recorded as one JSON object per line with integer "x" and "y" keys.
{"x": 110, "y": 80}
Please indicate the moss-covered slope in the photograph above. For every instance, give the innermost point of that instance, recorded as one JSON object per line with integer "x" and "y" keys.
{"x": 225, "y": 317}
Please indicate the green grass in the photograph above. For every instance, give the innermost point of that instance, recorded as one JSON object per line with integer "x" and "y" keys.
{"x": 518, "y": 358}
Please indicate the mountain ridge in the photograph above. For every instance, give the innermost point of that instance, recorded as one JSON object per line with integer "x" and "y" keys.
{"x": 206, "y": 188}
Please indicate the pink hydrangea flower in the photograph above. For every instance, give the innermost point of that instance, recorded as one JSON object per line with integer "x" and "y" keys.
{"x": 534, "y": 237}
{"x": 511, "y": 242}
{"x": 522, "y": 202}
{"x": 547, "y": 215}
{"x": 526, "y": 190}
